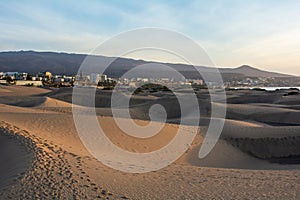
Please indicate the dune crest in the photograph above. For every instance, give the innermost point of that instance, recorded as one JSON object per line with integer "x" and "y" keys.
{"x": 245, "y": 163}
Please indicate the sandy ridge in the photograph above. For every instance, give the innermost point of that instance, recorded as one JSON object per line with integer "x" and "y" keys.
{"x": 51, "y": 175}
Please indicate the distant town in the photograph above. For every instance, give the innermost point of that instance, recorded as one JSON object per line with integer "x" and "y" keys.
{"x": 102, "y": 81}
{"x": 96, "y": 80}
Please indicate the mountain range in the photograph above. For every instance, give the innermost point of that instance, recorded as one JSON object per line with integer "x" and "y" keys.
{"x": 65, "y": 63}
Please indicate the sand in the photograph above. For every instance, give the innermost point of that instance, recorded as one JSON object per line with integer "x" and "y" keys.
{"x": 53, "y": 163}
{"x": 15, "y": 159}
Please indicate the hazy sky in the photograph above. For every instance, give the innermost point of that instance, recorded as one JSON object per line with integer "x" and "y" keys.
{"x": 261, "y": 33}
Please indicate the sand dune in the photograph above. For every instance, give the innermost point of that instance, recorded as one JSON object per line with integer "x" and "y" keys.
{"x": 276, "y": 116}
{"x": 225, "y": 155}
{"x": 4, "y": 90}
{"x": 244, "y": 163}
{"x": 15, "y": 159}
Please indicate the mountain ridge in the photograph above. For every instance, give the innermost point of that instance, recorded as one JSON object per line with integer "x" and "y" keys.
{"x": 69, "y": 63}
{"x": 254, "y": 72}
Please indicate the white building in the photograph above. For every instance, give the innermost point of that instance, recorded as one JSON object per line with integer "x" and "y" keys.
{"x": 164, "y": 79}
{"x": 145, "y": 80}
{"x": 29, "y": 83}
{"x": 16, "y": 75}
{"x": 103, "y": 77}
{"x": 198, "y": 81}
{"x": 95, "y": 78}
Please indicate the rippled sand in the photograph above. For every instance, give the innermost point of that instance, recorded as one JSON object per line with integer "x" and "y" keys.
{"x": 53, "y": 163}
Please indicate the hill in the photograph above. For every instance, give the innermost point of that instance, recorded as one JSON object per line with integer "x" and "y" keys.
{"x": 65, "y": 63}
{"x": 253, "y": 72}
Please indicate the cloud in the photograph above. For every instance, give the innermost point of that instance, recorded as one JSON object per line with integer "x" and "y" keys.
{"x": 264, "y": 33}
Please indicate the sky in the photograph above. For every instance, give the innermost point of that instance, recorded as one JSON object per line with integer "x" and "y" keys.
{"x": 261, "y": 33}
